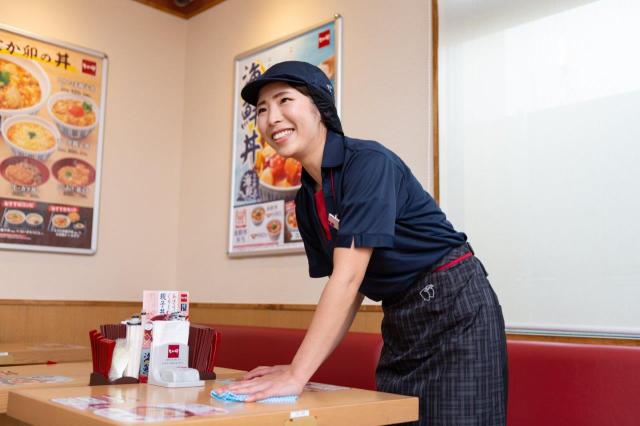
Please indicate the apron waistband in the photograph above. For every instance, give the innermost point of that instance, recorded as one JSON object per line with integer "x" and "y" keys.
{"x": 454, "y": 257}
{"x": 453, "y": 262}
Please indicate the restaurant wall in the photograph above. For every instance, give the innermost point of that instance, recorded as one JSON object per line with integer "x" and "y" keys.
{"x": 166, "y": 162}
{"x": 386, "y": 96}
{"x": 138, "y": 221}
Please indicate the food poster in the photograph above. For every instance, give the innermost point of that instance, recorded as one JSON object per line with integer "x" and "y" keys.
{"x": 52, "y": 99}
{"x": 264, "y": 184}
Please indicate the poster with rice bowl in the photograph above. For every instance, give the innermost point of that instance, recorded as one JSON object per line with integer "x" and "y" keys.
{"x": 262, "y": 217}
{"x": 52, "y": 102}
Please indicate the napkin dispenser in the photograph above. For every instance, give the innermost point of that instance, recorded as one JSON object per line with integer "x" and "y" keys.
{"x": 169, "y": 368}
{"x": 169, "y": 361}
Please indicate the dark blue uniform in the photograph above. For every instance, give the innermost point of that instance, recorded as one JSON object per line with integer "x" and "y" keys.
{"x": 379, "y": 204}
{"x": 442, "y": 328}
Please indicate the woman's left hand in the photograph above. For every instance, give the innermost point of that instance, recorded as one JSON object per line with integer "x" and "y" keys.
{"x": 280, "y": 382}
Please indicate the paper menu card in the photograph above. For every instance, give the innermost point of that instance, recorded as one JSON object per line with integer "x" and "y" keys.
{"x": 157, "y": 302}
{"x": 155, "y": 305}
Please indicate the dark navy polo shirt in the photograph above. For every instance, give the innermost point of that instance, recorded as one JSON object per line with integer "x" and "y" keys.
{"x": 379, "y": 204}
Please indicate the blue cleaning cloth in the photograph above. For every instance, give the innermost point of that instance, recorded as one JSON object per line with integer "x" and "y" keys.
{"x": 234, "y": 397}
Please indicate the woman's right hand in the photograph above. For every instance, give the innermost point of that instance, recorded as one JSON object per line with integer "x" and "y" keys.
{"x": 264, "y": 370}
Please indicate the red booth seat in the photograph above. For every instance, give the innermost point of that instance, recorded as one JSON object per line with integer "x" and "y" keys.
{"x": 568, "y": 384}
{"x": 550, "y": 384}
{"x": 352, "y": 363}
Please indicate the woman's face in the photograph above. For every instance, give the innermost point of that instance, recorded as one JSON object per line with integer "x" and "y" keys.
{"x": 289, "y": 121}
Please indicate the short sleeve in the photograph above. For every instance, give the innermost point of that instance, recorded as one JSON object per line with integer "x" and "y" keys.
{"x": 318, "y": 263}
{"x": 370, "y": 184}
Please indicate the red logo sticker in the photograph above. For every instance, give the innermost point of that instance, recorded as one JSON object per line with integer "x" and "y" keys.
{"x": 324, "y": 38}
{"x": 174, "y": 351}
{"x": 89, "y": 67}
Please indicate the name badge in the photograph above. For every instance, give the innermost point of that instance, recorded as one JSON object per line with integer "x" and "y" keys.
{"x": 334, "y": 222}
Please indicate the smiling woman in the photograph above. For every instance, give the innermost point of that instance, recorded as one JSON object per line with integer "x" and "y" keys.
{"x": 368, "y": 225}
{"x": 289, "y": 121}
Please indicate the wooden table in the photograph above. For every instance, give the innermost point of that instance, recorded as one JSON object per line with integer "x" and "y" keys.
{"x": 23, "y": 353}
{"x": 326, "y": 407}
{"x": 74, "y": 374}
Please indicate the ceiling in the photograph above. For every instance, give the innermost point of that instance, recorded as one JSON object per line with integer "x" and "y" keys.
{"x": 191, "y": 7}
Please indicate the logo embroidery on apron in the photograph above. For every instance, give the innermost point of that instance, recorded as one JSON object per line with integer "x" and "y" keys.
{"x": 428, "y": 293}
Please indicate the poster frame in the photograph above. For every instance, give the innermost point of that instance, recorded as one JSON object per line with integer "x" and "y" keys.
{"x": 103, "y": 57}
{"x": 337, "y": 20}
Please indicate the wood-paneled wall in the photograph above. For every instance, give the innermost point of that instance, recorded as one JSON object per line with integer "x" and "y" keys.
{"x": 38, "y": 321}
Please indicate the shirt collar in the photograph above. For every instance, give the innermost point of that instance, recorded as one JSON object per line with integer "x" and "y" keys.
{"x": 332, "y": 156}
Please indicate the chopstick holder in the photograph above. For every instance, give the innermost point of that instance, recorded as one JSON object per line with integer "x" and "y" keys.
{"x": 203, "y": 344}
{"x": 102, "y": 350}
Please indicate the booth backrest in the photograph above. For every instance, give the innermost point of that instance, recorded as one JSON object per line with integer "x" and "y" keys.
{"x": 550, "y": 384}
{"x": 352, "y": 363}
{"x": 568, "y": 384}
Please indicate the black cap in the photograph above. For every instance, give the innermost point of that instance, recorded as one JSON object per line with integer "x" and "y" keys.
{"x": 299, "y": 73}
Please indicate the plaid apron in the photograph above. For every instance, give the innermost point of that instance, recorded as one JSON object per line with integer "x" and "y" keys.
{"x": 444, "y": 341}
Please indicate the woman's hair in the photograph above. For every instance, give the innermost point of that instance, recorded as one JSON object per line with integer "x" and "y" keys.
{"x": 305, "y": 91}
{"x": 302, "y": 89}
{"x": 327, "y": 111}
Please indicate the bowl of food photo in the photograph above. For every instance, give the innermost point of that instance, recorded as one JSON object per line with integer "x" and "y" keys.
{"x": 272, "y": 193}
{"x": 30, "y": 136}
{"x": 24, "y": 86}
{"x": 73, "y": 172}
{"x": 257, "y": 215}
{"x": 14, "y": 217}
{"x": 279, "y": 177}
{"x": 25, "y": 171}
{"x": 34, "y": 219}
{"x": 76, "y": 116}
{"x": 292, "y": 221}
{"x": 60, "y": 221}
{"x": 274, "y": 228}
